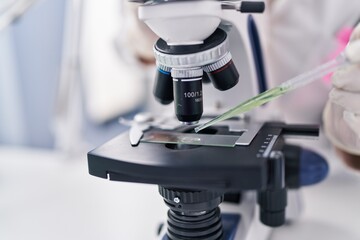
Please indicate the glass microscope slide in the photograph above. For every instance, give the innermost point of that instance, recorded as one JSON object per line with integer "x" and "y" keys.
{"x": 271, "y": 94}
{"x": 190, "y": 138}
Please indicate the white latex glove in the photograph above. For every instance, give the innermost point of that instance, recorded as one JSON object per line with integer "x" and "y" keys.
{"x": 342, "y": 113}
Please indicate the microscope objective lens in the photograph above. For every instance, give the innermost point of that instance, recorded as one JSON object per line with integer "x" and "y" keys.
{"x": 163, "y": 88}
{"x": 188, "y": 95}
{"x": 223, "y": 73}
{"x": 188, "y": 99}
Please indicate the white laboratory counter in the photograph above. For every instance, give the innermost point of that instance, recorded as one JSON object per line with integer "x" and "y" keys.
{"x": 46, "y": 195}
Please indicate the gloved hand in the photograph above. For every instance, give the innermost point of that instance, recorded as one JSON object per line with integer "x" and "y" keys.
{"x": 342, "y": 112}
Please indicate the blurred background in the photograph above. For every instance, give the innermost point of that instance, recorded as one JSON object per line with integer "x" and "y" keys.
{"x": 62, "y": 65}
{"x": 65, "y": 78}
{"x": 48, "y": 122}
{"x": 30, "y": 67}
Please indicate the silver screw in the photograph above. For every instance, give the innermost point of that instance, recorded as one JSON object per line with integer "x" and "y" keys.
{"x": 177, "y": 200}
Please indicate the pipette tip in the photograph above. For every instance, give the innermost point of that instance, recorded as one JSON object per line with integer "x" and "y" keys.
{"x": 199, "y": 128}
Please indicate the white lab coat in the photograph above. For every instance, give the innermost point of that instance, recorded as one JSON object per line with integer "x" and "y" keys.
{"x": 301, "y": 35}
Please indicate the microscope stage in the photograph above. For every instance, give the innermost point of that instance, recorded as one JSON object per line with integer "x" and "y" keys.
{"x": 190, "y": 166}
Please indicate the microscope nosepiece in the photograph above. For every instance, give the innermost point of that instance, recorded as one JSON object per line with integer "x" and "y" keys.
{"x": 187, "y": 64}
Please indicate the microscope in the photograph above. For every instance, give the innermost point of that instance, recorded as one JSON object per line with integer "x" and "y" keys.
{"x": 229, "y": 181}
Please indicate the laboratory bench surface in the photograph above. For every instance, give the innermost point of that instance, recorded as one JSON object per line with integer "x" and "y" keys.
{"x": 48, "y": 195}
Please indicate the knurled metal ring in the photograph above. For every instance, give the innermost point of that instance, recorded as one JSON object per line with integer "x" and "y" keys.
{"x": 194, "y": 59}
{"x": 219, "y": 64}
{"x": 163, "y": 67}
{"x": 188, "y": 197}
{"x": 186, "y": 73}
